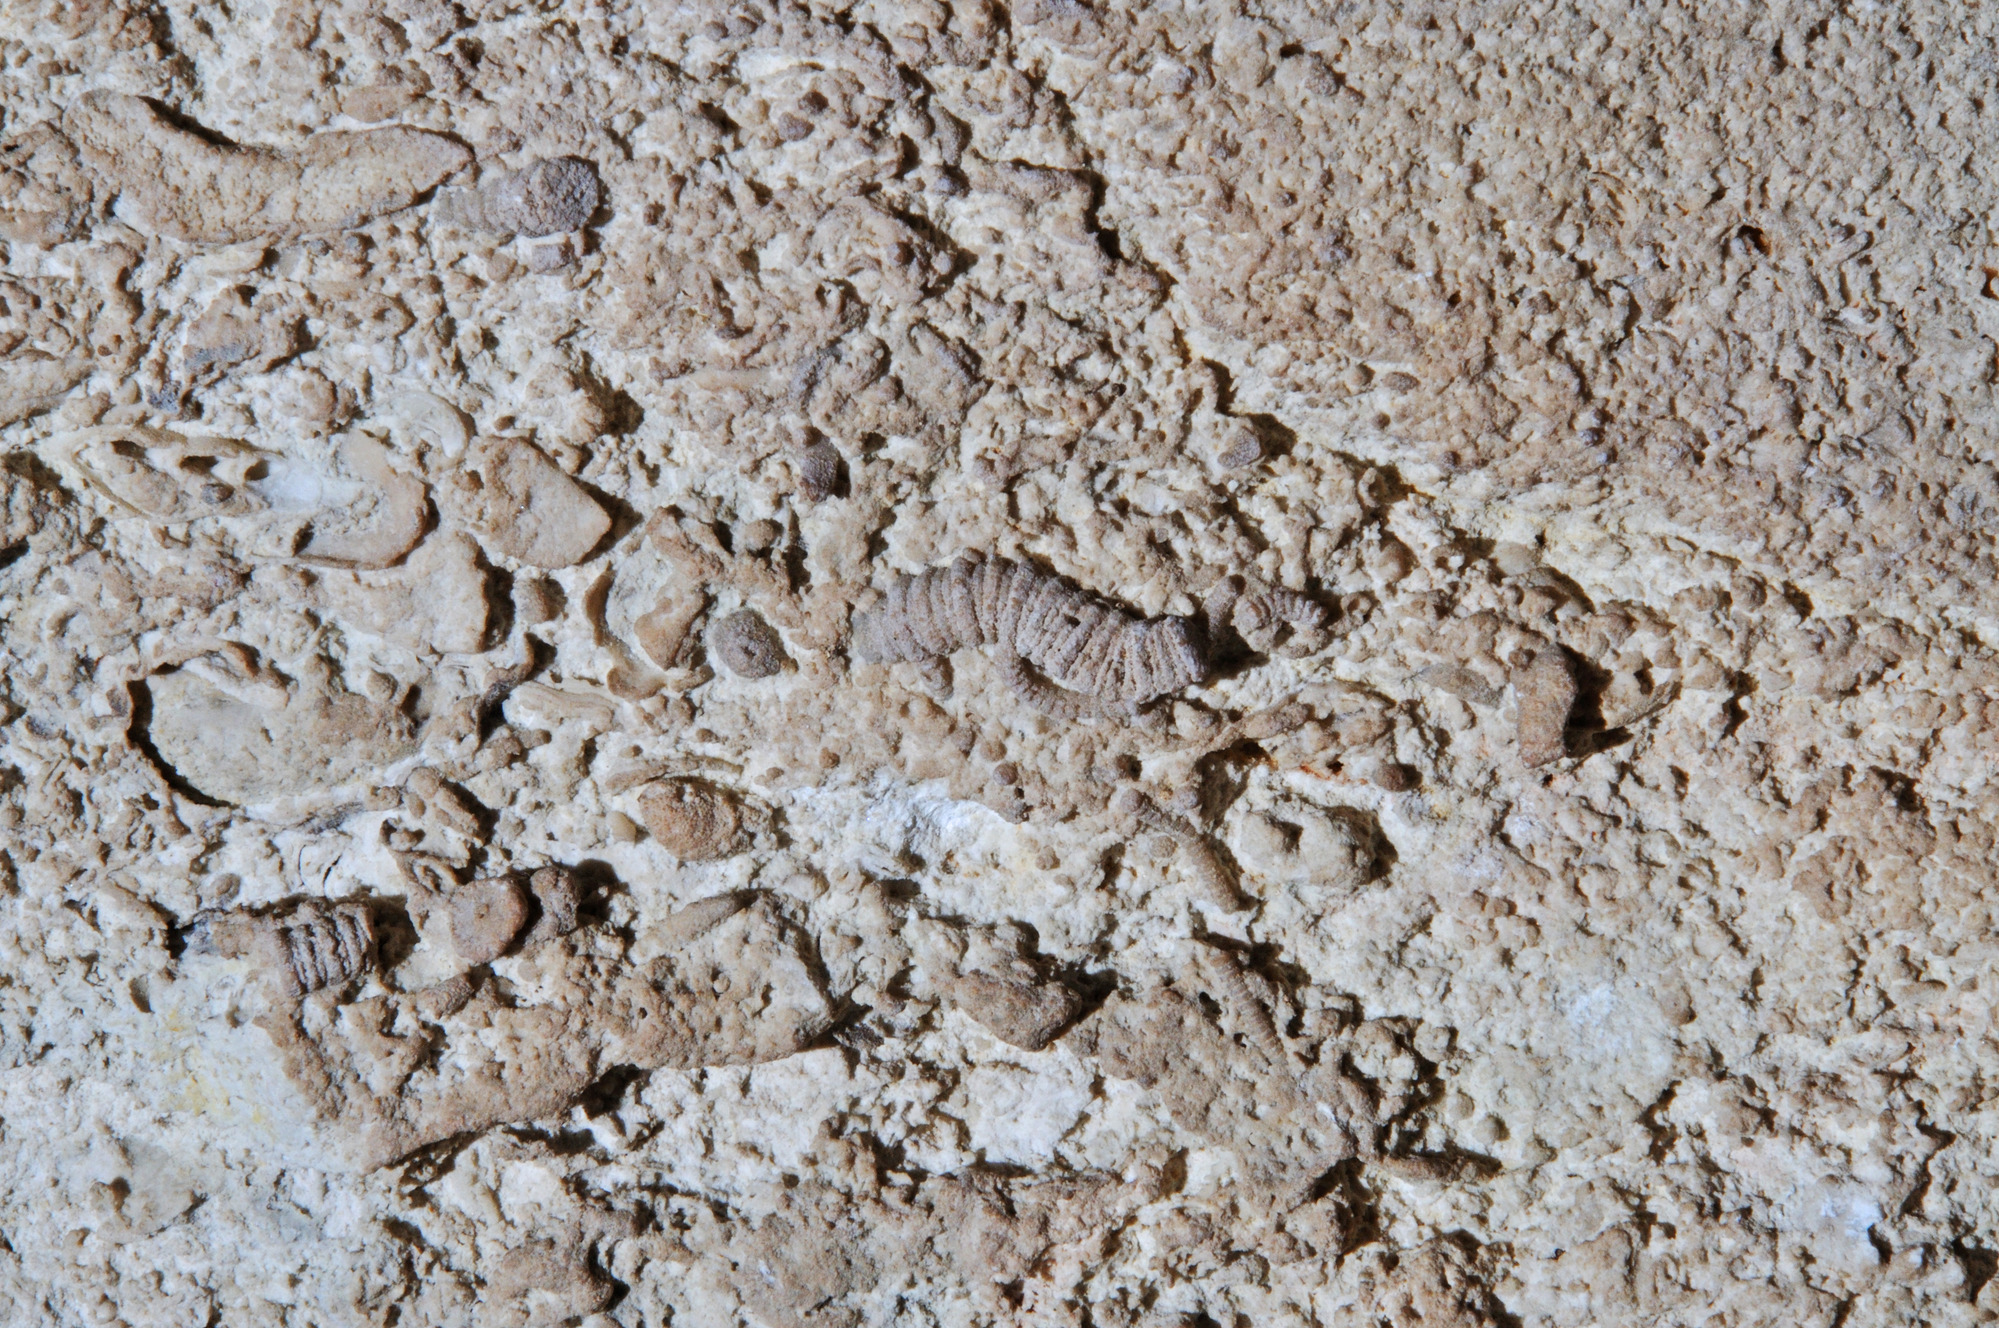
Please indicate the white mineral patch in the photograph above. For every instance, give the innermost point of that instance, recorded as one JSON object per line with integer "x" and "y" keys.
{"x": 1018, "y": 1114}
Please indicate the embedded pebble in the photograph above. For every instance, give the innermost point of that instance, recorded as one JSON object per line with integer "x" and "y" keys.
{"x": 485, "y": 918}
{"x": 521, "y": 505}
{"x": 819, "y": 470}
{"x": 1545, "y": 691}
{"x": 558, "y": 895}
{"x": 1027, "y": 1014}
{"x": 748, "y": 646}
{"x": 691, "y": 819}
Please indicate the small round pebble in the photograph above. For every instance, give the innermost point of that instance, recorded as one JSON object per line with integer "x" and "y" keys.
{"x": 485, "y": 918}
{"x": 748, "y": 646}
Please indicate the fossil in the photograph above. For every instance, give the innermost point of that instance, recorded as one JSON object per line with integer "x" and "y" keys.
{"x": 1546, "y": 692}
{"x": 558, "y": 893}
{"x": 1080, "y": 643}
{"x": 243, "y": 735}
{"x": 1226, "y": 971}
{"x": 735, "y": 988}
{"x": 989, "y": 974}
{"x": 1207, "y": 862}
{"x": 1043, "y": 695}
{"x": 180, "y": 184}
{"x": 547, "y": 197}
{"x": 485, "y": 918}
{"x": 419, "y": 419}
{"x": 819, "y": 467}
{"x": 427, "y": 795}
{"x": 496, "y": 915}
{"x": 352, "y": 510}
{"x": 163, "y": 476}
{"x": 435, "y": 600}
{"x": 236, "y": 333}
{"x": 317, "y": 945}
{"x": 1267, "y": 618}
{"x": 521, "y": 504}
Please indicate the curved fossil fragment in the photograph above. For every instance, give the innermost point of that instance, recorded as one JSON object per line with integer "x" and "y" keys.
{"x": 175, "y": 182}
{"x": 1078, "y": 641}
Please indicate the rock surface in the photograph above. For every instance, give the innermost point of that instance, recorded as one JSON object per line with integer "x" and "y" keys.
{"x": 1059, "y": 662}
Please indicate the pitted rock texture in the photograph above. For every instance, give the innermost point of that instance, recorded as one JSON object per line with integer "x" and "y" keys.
{"x": 1471, "y": 804}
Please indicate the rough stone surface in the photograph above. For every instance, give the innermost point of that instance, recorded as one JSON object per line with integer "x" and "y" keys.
{"x": 1387, "y": 691}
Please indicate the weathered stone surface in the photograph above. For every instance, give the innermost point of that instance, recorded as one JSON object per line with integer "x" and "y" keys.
{"x": 1029, "y": 663}
{"x": 262, "y": 740}
{"x": 170, "y": 180}
{"x": 520, "y": 504}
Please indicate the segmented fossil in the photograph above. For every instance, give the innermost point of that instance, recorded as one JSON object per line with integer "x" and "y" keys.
{"x": 318, "y": 945}
{"x": 1206, "y": 862}
{"x": 1260, "y": 614}
{"x": 1092, "y": 652}
{"x": 1225, "y": 970}
{"x": 1043, "y": 695}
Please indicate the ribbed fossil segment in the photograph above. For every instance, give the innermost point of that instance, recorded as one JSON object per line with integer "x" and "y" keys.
{"x": 313, "y": 947}
{"x": 1077, "y": 640}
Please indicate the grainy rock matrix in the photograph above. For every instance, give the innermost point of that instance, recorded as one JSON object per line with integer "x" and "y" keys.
{"x": 516, "y": 809}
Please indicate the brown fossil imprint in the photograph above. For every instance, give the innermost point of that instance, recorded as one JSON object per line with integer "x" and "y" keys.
{"x": 1095, "y": 655}
{"x": 316, "y": 946}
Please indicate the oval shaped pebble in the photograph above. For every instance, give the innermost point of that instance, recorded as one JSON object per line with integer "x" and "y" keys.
{"x": 485, "y": 918}
{"x": 692, "y": 820}
{"x": 748, "y": 646}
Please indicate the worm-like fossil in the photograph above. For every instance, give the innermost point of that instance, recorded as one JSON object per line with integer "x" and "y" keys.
{"x": 1263, "y": 615}
{"x": 1207, "y": 863}
{"x": 318, "y": 945}
{"x": 1226, "y": 972}
{"x": 1078, "y": 641}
